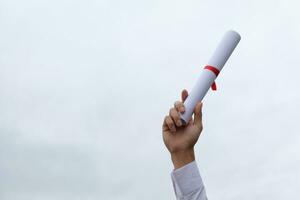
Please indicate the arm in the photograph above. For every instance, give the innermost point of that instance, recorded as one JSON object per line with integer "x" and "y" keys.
{"x": 180, "y": 141}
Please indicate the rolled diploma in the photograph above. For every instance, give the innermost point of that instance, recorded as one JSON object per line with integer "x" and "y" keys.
{"x": 207, "y": 77}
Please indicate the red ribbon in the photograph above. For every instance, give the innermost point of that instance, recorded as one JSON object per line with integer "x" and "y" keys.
{"x": 216, "y": 71}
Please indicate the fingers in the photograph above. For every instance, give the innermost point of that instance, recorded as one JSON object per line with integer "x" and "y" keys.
{"x": 184, "y": 95}
{"x": 173, "y": 120}
{"x": 179, "y": 106}
{"x": 198, "y": 115}
{"x": 170, "y": 124}
{"x": 174, "y": 114}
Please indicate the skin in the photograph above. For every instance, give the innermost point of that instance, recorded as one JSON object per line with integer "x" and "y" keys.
{"x": 180, "y": 139}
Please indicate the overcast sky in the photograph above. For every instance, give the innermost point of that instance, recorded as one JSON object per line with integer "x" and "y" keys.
{"x": 84, "y": 86}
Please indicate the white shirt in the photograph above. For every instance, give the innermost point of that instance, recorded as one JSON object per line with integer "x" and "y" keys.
{"x": 187, "y": 183}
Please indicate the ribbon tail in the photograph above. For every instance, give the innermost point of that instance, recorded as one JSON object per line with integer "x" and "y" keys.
{"x": 214, "y": 86}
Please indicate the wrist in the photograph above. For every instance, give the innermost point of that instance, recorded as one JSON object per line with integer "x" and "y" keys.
{"x": 181, "y": 158}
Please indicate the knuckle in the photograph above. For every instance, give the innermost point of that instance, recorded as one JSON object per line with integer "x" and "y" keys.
{"x": 177, "y": 104}
{"x": 169, "y": 122}
{"x": 175, "y": 115}
{"x": 173, "y": 112}
{"x": 166, "y": 118}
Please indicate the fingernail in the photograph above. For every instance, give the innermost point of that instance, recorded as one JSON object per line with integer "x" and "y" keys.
{"x": 182, "y": 109}
{"x": 179, "y": 123}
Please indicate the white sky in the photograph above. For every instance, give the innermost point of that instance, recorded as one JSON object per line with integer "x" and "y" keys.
{"x": 84, "y": 86}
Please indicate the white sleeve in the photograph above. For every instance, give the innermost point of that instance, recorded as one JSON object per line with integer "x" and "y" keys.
{"x": 187, "y": 183}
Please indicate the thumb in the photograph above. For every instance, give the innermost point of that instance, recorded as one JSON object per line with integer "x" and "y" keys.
{"x": 198, "y": 115}
{"x": 184, "y": 95}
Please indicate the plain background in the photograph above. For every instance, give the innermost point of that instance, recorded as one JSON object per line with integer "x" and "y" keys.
{"x": 84, "y": 86}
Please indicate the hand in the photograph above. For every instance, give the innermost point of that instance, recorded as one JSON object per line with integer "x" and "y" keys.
{"x": 178, "y": 138}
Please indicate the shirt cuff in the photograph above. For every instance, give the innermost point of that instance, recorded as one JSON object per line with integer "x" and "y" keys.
{"x": 187, "y": 179}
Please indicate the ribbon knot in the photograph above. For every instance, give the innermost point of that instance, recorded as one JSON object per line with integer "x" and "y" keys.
{"x": 216, "y": 71}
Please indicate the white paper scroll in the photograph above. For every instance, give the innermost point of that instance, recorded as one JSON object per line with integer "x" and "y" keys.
{"x": 207, "y": 77}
